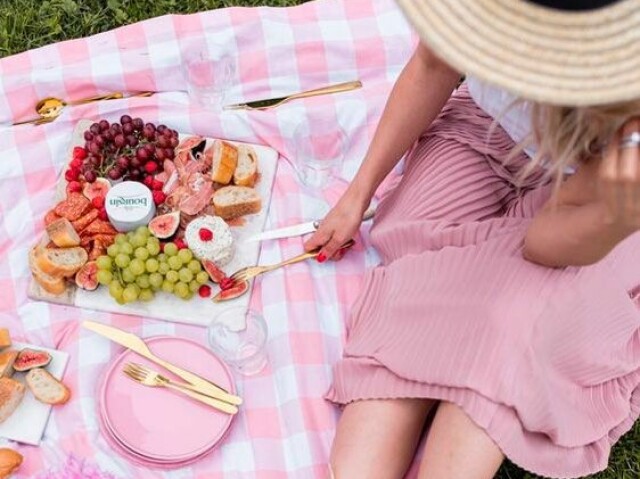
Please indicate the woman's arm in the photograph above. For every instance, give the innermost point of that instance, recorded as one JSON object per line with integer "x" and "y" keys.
{"x": 594, "y": 210}
{"x": 419, "y": 94}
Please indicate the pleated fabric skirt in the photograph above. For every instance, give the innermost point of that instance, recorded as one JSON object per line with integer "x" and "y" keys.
{"x": 546, "y": 360}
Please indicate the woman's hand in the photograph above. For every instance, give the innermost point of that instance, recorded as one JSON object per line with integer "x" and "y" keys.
{"x": 339, "y": 226}
{"x": 619, "y": 180}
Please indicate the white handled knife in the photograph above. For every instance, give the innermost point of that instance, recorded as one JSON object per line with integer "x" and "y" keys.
{"x": 298, "y": 230}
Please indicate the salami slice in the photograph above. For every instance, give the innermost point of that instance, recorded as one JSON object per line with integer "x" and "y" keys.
{"x": 51, "y": 217}
{"x": 73, "y": 207}
{"x": 100, "y": 227}
{"x": 81, "y": 223}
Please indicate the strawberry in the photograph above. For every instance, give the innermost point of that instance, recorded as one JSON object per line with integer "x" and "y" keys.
{"x": 156, "y": 185}
{"x": 150, "y": 167}
{"x": 158, "y": 197}
{"x": 74, "y": 187}
{"x": 72, "y": 174}
{"x": 204, "y": 291}
{"x": 181, "y": 243}
{"x": 79, "y": 153}
{"x": 102, "y": 214}
{"x": 205, "y": 234}
{"x": 98, "y": 202}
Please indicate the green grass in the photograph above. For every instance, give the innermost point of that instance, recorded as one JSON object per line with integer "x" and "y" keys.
{"x": 27, "y": 24}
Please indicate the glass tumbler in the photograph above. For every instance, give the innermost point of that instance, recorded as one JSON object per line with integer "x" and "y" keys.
{"x": 209, "y": 78}
{"x": 244, "y": 350}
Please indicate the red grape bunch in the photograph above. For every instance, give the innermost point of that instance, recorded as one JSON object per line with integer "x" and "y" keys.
{"x": 130, "y": 150}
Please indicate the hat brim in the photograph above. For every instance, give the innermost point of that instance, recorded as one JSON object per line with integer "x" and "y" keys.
{"x": 542, "y": 54}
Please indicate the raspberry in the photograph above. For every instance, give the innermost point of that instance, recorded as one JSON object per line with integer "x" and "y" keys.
{"x": 98, "y": 202}
{"x": 180, "y": 243}
{"x": 102, "y": 214}
{"x": 158, "y": 197}
{"x": 76, "y": 163}
{"x": 74, "y": 187}
{"x": 79, "y": 153}
{"x": 156, "y": 185}
{"x": 148, "y": 181}
{"x": 150, "y": 167}
{"x": 205, "y": 234}
{"x": 72, "y": 174}
{"x": 204, "y": 291}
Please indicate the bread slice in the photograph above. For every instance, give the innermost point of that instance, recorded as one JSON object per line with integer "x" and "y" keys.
{"x": 7, "y": 358}
{"x": 5, "y": 338}
{"x": 224, "y": 161}
{"x": 46, "y": 388}
{"x": 61, "y": 261}
{"x": 55, "y": 285}
{"x": 63, "y": 234}
{"x": 10, "y": 461}
{"x": 246, "y": 172}
{"x": 11, "y": 394}
{"x": 234, "y": 201}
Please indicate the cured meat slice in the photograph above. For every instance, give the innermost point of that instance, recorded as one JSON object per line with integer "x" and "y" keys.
{"x": 73, "y": 207}
{"x": 81, "y": 223}
{"x": 51, "y": 217}
{"x": 99, "y": 227}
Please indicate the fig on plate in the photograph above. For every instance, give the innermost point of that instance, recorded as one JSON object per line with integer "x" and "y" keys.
{"x": 215, "y": 273}
{"x": 165, "y": 226}
{"x": 233, "y": 292}
{"x": 87, "y": 276}
{"x": 100, "y": 187}
{"x": 29, "y": 359}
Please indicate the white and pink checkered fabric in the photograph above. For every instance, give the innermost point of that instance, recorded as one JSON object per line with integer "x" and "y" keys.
{"x": 286, "y": 428}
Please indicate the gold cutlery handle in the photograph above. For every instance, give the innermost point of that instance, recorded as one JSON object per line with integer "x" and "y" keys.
{"x": 201, "y": 384}
{"x": 340, "y": 87}
{"x": 306, "y": 256}
{"x": 220, "y": 405}
{"x": 111, "y": 96}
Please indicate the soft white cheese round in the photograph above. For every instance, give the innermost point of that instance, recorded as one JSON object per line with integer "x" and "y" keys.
{"x": 219, "y": 248}
{"x": 129, "y": 204}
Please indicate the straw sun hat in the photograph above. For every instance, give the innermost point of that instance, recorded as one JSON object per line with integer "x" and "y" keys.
{"x": 560, "y": 52}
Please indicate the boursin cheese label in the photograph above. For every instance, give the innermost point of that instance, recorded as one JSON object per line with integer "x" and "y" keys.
{"x": 129, "y": 204}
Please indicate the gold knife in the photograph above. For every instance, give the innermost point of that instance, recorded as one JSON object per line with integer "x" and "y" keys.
{"x": 274, "y": 102}
{"x": 134, "y": 343}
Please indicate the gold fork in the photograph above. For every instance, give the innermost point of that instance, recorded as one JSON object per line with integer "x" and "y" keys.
{"x": 151, "y": 378}
{"x": 249, "y": 272}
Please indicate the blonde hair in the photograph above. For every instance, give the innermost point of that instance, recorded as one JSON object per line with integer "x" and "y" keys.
{"x": 565, "y": 136}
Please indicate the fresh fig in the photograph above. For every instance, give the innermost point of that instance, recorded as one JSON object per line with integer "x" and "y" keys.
{"x": 87, "y": 276}
{"x": 215, "y": 273}
{"x": 233, "y": 292}
{"x": 29, "y": 359}
{"x": 165, "y": 226}
{"x": 100, "y": 187}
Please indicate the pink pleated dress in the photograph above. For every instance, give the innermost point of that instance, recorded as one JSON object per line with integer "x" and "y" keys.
{"x": 546, "y": 360}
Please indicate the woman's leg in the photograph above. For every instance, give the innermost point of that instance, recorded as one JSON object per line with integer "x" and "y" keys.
{"x": 376, "y": 439}
{"x": 457, "y": 448}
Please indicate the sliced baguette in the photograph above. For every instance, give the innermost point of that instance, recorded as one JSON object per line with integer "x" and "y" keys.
{"x": 10, "y": 461}
{"x": 7, "y": 358}
{"x": 224, "y": 161}
{"x": 55, "y": 285}
{"x": 63, "y": 234}
{"x": 235, "y": 201}
{"x": 5, "y": 338}
{"x": 61, "y": 261}
{"x": 11, "y": 394}
{"x": 246, "y": 172}
{"x": 46, "y": 388}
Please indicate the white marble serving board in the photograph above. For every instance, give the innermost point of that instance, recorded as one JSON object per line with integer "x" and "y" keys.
{"x": 29, "y": 420}
{"x": 197, "y": 311}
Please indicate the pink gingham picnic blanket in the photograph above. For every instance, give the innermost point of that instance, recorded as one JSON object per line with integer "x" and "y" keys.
{"x": 286, "y": 428}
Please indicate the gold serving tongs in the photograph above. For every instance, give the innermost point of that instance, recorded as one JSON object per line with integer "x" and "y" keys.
{"x": 50, "y": 108}
{"x": 274, "y": 102}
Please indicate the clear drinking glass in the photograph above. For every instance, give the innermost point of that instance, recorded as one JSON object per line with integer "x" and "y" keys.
{"x": 317, "y": 148}
{"x": 209, "y": 78}
{"x": 244, "y": 350}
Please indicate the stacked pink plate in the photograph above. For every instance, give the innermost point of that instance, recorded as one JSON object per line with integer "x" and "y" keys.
{"x": 158, "y": 427}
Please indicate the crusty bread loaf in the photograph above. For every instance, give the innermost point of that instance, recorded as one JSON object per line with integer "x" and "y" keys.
{"x": 224, "y": 161}
{"x": 5, "y": 338}
{"x": 246, "y": 172}
{"x": 55, "y": 285}
{"x": 63, "y": 234}
{"x": 11, "y": 394}
{"x": 10, "y": 460}
{"x": 234, "y": 201}
{"x": 7, "y": 358}
{"x": 61, "y": 261}
{"x": 46, "y": 388}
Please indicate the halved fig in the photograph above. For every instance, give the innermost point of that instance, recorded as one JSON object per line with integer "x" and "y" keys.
{"x": 100, "y": 187}
{"x": 165, "y": 226}
{"x": 87, "y": 276}
{"x": 233, "y": 292}
{"x": 215, "y": 273}
{"x": 30, "y": 358}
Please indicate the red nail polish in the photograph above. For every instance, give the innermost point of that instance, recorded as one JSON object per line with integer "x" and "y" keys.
{"x": 321, "y": 258}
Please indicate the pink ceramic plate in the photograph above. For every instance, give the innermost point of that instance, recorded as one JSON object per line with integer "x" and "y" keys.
{"x": 157, "y": 423}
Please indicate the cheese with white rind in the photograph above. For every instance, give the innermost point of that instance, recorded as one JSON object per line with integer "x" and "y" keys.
{"x": 129, "y": 205}
{"x": 219, "y": 248}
